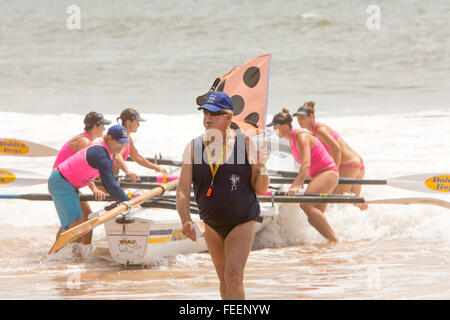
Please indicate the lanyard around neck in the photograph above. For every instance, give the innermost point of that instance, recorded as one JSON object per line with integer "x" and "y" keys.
{"x": 214, "y": 168}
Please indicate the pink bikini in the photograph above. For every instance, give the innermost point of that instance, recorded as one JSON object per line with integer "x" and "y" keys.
{"x": 66, "y": 151}
{"x": 320, "y": 159}
{"x": 336, "y": 137}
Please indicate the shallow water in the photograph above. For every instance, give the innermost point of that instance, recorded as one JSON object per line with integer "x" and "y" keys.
{"x": 386, "y": 92}
{"x": 386, "y": 252}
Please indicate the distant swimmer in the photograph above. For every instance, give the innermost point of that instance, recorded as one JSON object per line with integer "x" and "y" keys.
{"x": 80, "y": 170}
{"x": 315, "y": 163}
{"x": 227, "y": 171}
{"x": 131, "y": 119}
{"x": 94, "y": 126}
{"x": 350, "y": 163}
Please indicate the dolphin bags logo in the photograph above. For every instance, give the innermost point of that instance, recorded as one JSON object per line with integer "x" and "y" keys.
{"x": 6, "y": 177}
{"x": 439, "y": 183}
{"x": 13, "y": 147}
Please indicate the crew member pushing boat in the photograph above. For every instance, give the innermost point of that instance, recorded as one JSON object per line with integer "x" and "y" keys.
{"x": 80, "y": 170}
{"x": 315, "y": 163}
{"x": 350, "y": 163}
{"x": 94, "y": 126}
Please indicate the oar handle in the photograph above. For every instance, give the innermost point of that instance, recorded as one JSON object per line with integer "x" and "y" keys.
{"x": 48, "y": 197}
{"x": 283, "y": 180}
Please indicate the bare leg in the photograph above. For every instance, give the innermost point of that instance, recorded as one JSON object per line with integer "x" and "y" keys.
{"x": 238, "y": 244}
{"x": 323, "y": 183}
{"x": 347, "y": 172}
{"x": 86, "y": 208}
{"x": 229, "y": 256}
{"x": 356, "y": 189}
{"x": 216, "y": 248}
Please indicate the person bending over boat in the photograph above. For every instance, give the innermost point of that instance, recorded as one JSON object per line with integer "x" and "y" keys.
{"x": 350, "y": 163}
{"x": 94, "y": 126}
{"x": 315, "y": 163}
{"x": 131, "y": 119}
{"x": 80, "y": 170}
{"x": 226, "y": 178}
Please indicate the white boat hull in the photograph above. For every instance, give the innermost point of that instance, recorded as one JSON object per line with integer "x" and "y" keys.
{"x": 156, "y": 234}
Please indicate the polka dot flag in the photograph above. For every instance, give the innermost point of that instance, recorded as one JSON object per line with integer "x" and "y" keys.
{"x": 247, "y": 85}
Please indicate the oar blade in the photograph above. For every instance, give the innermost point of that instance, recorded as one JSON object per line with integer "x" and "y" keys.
{"x": 406, "y": 201}
{"x": 16, "y": 147}
{"x": 425, "y": 182}
{"x": 78, "y": 231}
{"x": 19, "y": 178}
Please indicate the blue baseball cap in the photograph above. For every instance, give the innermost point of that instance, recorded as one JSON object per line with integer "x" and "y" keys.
{"x": 217, "y": 101}
{"x": 118, "y": 133}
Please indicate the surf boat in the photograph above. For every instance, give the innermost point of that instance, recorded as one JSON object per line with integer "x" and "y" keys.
{"x": 146, "y": 235}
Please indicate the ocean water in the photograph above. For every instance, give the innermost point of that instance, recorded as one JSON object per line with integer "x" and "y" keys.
{"x": 385, "y": 91}
{"x": 387, "y": 252}
{"x": 158, "y": 56}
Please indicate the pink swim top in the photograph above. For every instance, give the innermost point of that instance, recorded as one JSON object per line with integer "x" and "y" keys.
{"x": 126, "y": 153}
{"x": 66, "y": 151}
{"x": 320, "y": 158}
{"x": 335, "y": 135}
{"x": 77, "y": 170}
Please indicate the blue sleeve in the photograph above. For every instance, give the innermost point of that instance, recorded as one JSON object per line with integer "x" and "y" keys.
{"x": 98, "y": 158}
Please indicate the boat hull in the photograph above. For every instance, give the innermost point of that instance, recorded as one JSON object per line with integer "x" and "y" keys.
{"x": 155, "y": 234}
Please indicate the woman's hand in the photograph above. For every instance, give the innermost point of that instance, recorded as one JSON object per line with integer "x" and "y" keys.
{"x": 161, "y": 170}
{"x": 293, "y": 190}
{"x": 99, "y": 195}
{"x": 133, "y": 176}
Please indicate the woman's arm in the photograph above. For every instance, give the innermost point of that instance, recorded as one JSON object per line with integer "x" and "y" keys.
{"x": 335, "y": 148}
{"x": 134, "y": 154}
{"x": 303, "y": 146}
{"x": 120, "y": 163}
{"x": 97, "y": 157}
{"x": 79, "y": 143}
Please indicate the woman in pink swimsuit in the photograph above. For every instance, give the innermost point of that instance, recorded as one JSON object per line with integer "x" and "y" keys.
{"x": 350, "y": 163}
{"x": 130, "y": 119}
{"x": 315, "y": 163}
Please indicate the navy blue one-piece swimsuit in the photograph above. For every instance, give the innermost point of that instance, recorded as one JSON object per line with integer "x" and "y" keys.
{"x": 232, "y": 201}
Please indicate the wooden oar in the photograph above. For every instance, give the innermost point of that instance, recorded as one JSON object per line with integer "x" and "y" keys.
{"x": 16, "y": 147}
{"x": 353, "y": 199}
{"x": 176, "y": 163}
{"x": 48, "y": 197}
{"x": 335, "y": 198}
{"x": 157, "y": 179}
{"x": 425, "y": 182}
{"x": 431, "y": 201}
{"x": 19, "y": 178}
{"x": 276, "y": 197}
{"x": 78, "y": 231}
{"x": 432, "y": 182}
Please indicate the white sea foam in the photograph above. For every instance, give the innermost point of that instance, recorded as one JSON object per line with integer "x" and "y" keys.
{"x": 391, "y": 145}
